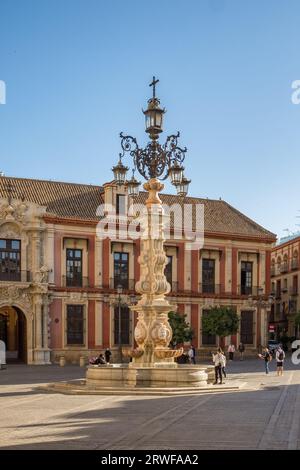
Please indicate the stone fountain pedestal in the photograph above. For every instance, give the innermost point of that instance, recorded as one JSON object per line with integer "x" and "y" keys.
{"x": 153, "y": 364}
{"x": 157, "y": 376}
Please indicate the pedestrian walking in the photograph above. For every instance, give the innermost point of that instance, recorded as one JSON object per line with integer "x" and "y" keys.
{"x": 218, "y": 360}
{"x": 267, "y": 357}
{"x": 241, "y": 351}
{"x": 231, "y": 351}
{"x": 224, "y": 365}
{"x": 108, "y": 355}
{"x": 192, "y": 354}
{"x": 280, "y": 356}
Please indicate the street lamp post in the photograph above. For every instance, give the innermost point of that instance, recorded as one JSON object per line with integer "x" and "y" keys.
{"x": 119, "y": 292}
{"x": 154, "y": 163}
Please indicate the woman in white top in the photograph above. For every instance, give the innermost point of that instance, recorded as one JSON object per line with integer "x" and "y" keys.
{"x": 219, "y": 362}
{"x": 231, "y": 351}
{"x": 280, "y": 356}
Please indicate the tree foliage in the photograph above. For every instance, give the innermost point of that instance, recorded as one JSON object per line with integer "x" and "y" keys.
{"x": 221, "y": 321}
{"x": 182, "y": 331}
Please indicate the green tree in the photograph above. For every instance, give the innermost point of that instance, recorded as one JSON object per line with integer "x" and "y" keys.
{"x": 221, "y": 321}
{"x": 182, "y": 331}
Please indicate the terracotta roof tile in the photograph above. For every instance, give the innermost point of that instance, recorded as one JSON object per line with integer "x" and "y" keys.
{"x": 67, "y": 200}
{"x": 71, "y": 200}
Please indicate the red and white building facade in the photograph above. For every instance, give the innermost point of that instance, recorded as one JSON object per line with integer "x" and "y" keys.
{"x": 285, "y": 286}
{"x": 58, "y": 279}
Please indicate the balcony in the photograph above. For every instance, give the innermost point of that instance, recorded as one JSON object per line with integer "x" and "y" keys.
{"x": 125, "y": 283}
{"x": 78, "y": 282}
{"x": 295, "y": 263}
{"x": 214, "y": 289}
{"x": 16, "y": 276}
{"x": 273, "y": 271}
{"x": 284, "y": 267}
{"x": 249, "y": 290}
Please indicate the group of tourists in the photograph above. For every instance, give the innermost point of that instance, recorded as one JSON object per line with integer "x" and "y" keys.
{"x": 267, "y": 357}
{"x": 102, "y": 359}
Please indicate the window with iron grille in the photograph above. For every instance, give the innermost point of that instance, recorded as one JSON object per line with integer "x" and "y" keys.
{"x": 10, "y": 260}
{"x": 121, "y": 269}
{"x": 246, "y": 277}
{"x": 75, "y": 325}
{"x": 208, "y": 276}
{"x": 122, "y": 324}
{"x": 74, "y": 267}
{"x": 247, "y": 327}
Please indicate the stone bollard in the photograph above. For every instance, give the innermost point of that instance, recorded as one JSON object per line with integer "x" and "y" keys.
{"x": 62, "y": 361}
{"x": 82, "y": 361}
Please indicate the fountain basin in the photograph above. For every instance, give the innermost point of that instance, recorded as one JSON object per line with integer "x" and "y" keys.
{"x": 157, "y": 376}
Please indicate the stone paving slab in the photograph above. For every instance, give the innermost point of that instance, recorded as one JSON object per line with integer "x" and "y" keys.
{"x": 263, "y": 415}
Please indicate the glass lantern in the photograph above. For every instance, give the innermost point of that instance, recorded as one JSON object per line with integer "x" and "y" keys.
{"x": 120, "y": 172}
{"x": 176, "y": 173}
{"x": 183, "y": 187}
{"x": 154, "y": 117}
{"x": 133, "y": 186}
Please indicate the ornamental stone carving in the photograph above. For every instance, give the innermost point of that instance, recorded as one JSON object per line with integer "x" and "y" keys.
{"x": 11, "y": 294}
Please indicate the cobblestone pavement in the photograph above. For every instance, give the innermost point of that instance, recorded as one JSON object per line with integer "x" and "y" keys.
{"x": 264, "y": 415}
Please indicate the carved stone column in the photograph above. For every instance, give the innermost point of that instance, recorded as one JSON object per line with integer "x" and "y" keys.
{"x": 153, "y": 332}
{"x": 41, "y": 350}
{"x": 38, "y": 323}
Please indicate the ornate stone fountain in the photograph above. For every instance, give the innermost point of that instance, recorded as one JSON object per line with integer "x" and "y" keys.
{"x": 153, "y": 362}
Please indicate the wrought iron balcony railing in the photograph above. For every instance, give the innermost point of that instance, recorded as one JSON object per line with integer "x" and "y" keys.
{"x": 75, "y": 281}
{"x": 249, "y": 290}
{"x": 210, "y": 288}
{"x": 295, "y": 263}
{"x": 16, "y": 276}
{"x": 284, "y": 267}
{"x": 125, "y": 283}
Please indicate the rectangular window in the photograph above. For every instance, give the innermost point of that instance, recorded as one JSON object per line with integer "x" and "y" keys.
{"x": 246, "y": 277}
{"x": 121, "y": 204}
{"x": 207, "y": 339}
{"x": 278, "y": 289}
{"x": 121, "y": 269}
{"x": 208, "y": 276}
{"x": 168, "y": 269}
{"x": 247, "y": 327}
{"x": 75, "y": 325}
{"x": 122, "y": 325}
{"x": 10, "y": 260}
{"x": 74, "y": 268}
{"x": 295, "y": 285}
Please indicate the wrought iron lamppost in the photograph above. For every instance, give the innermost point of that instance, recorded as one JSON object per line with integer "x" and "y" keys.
{"x": 155, "y": 162}
{"x": 261, "y": 303}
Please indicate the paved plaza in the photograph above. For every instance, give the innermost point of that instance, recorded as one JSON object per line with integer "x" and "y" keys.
{"x": 265, "y": 414}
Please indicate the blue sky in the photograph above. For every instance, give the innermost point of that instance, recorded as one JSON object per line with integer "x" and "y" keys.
{"x": 77, "y": 73}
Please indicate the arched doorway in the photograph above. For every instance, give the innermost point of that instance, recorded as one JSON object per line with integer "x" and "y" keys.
{"x": 13, "y": 331}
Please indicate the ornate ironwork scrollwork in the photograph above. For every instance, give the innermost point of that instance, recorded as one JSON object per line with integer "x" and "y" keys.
{"x": 155, "y": 160}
